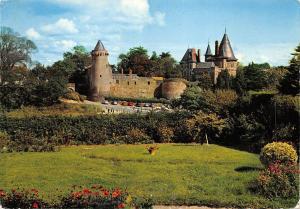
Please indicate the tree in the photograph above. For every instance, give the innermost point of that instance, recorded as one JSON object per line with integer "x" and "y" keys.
{"x": 203, "y": 126}
{"x": 290, "y": 82}
{"x": 135, "y": 60}
{"x": 224, "y": 80}
{"x": 239, "y": 82}
{"x": 14, "y": 49}
{"x": 194, "y": 99}
{"x": 255, "y": 76}
{"x": 204, "y": 80}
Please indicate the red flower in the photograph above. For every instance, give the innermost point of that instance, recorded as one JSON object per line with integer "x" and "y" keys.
{"x": 35, "y": 191}
{"x": 35, "y": 205}
{"x": 2, "y": 193}
{"x": 76, "y": 194}
{"x": 121, "y": 205}
{"x": 86, "y": 191}
{"x": 105, "y": 192}
{"x": 116, "y": 193}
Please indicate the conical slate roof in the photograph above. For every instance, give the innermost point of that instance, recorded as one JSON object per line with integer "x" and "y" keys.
{"x": 208, "y": 51}
{"x": 225, "y": 49}
{"x": 99, "y": 46}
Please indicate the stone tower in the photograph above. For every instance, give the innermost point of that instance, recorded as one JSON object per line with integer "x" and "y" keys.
{"x": 100, "y": 75}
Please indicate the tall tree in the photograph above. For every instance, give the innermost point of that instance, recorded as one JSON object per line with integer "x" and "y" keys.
{"x": 203, "y": 126}
{"x": 239, "y": 82}
{"x": 255, "y": 76}
{"x": 14, "y": 49}
{"x": 224, "y": 80}
{"x": 204, "y": 80}
{"x": 290, "y": 82}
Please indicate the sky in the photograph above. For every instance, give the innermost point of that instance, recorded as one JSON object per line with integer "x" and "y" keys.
{"x": 259, "y": 30}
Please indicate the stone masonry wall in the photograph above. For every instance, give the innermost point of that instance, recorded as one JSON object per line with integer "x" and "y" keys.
{"x": 132, "y": 86}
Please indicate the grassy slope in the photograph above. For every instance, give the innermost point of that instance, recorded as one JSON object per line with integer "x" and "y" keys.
{"x": 178, "y": 174}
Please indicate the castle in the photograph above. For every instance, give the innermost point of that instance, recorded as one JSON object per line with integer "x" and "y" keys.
{"x": 222, "y": 59}
{"x": 104, "y": 83}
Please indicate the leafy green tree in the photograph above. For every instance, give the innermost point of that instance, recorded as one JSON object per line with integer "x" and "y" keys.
{"x": 255, "y": 76}
{"x": 239, "y": 82}
{"x": 203, "y": 126}
{"x": 135, "y": 60}
{"x": 224, "y": 80}
{"x": 274, "y": 76}
{"x": 290, "y": 82}
{"x": 194, "y": 99}
{"x": 204, "y": 80}
{"x": 14, "y": 50}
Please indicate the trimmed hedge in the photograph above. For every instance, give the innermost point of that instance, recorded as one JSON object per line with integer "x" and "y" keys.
{"x": 102, "y": 129}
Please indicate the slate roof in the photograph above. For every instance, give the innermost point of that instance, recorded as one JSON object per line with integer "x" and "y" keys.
{"x": 189, "y": 56}
{"x": 208, "y": 51}
{"x": 99, "y": 46}
{"x": 225, "y": 49}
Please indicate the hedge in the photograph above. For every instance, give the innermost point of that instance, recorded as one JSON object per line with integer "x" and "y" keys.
{"x": 102, "y": 129}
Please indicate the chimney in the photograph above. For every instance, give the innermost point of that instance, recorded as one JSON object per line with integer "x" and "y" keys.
{"x": 198, "y": 57}
{"x": 216, "y": 48}
{"x": 130, "y": 71}
{"x": 122, "y": 71}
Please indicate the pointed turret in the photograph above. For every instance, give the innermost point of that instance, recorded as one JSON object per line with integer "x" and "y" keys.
{"x": 225, "y": 50}
{"x": 99, "y": 46}
{"x": 208, "y": 51}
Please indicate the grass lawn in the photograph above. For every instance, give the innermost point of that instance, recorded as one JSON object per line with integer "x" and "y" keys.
{"x": 178, "y": 174}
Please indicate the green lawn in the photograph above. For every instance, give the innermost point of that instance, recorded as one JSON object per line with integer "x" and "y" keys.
{"x": 178, "y": 174}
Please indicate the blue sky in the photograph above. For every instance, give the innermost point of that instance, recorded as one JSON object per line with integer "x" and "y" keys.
{"x": 259, "y": 30}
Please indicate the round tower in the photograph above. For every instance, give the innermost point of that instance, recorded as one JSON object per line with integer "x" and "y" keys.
{"x": 100, "y": 75}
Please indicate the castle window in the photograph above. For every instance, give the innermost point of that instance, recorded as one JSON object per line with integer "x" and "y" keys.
{"x": 128, "y": 83}
{"x": 135, "y": 83}
{"x": 148, "y": 82}
{"x": 100, "y": 76}
{"x": 117, "y": 81}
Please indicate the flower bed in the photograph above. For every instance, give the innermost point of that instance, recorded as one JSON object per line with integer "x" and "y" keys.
{"x": 94, "y": 197}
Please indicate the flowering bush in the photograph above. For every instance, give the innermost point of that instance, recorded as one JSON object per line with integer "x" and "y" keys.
{"x": 96, "y": 197}
{"x": 278, "y": 180}
{"x": 22, "y": 199}
{"x": 278, "y": 152}
{"x": 165, "y": 133}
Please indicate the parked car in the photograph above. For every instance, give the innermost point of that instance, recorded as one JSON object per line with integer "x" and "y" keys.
{"x": 147, "y": 105}
{"x": 140, "y": 104}
{"x": 114, "y": 102}
{"x": 130, "y": 104}
{"x": 124, "y": 103}
{"x": 105, "y": 102}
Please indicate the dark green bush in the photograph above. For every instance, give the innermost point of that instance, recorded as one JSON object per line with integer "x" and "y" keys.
{"x": 44, "y": 133}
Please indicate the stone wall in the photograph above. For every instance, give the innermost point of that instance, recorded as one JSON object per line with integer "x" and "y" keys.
{"x": 173, "y": 88}
{"x": 132, "y": 86}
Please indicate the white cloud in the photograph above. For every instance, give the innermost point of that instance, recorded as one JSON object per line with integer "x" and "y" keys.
{"x": 63, "y": 25}
{"x": 31, "y": 33}
{"x": 133, "y": 12}
{"x": 65, "y": 45}
{"x": 3, "y": 1}
{"x": 273, "y": 53}
{"x": 159, "y": 18}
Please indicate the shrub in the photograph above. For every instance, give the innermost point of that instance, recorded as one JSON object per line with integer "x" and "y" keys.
{"x": 96, "y": 197}
{"x": 27, "y": 142}
{"x": 278, "y": 180}
{"x": 278, "y": 152}
{"x": 136, "y": 135}
{"x": 73, "y": 95}
{"x": 4, "y": 139}
{"x": 22, "y": 199}
{"x": 165, "y": 133}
